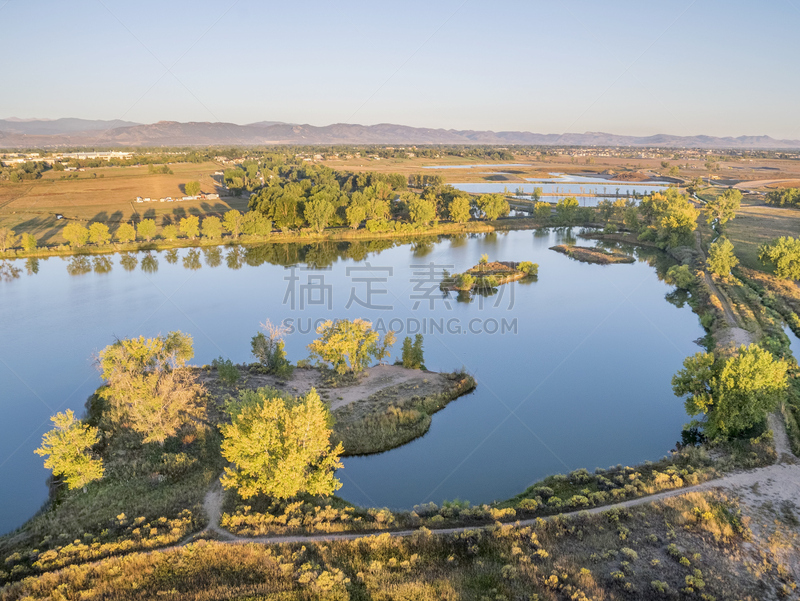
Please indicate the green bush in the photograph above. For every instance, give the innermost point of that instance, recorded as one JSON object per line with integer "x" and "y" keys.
{"x": 228, "y": 373}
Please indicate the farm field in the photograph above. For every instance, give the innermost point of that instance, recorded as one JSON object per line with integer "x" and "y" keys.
{"x": 32, "y": 206}
{"x": 757, "y": 223}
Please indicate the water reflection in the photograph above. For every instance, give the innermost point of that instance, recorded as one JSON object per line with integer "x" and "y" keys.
{"x": 102, "y": 264}
{"x": 128, "y": 261}
{"x": 213, "y": 256}
{"x": 79, "y": 265}
{"x": 172, "y": 256}
{"x": 32, "y": 265}
{"x": 149, "y": 263}
{"x": 192, "y": 260}
{"x": 9, "y": 271}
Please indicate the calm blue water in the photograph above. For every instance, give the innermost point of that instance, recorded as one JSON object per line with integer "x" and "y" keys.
{"x": 584, "y": 381}
{"x": 474, "y": 166}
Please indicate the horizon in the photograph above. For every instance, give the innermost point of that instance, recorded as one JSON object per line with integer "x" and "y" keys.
{"x": 301, "y": 123}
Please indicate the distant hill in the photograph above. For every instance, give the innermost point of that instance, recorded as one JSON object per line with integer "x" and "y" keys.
{"x": 54, "y": 127}
{"x": 78, "y": 132}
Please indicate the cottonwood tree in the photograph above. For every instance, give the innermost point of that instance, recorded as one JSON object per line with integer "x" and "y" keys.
{"x": 232, "y": 221}
{"x": 349, "y": 346}
{"x": 192, "y": 188}
{"x": 212, "y": 228}
{"x": 269, "y": 348}
{"x": 355, "y": 214}
{"x": 8, "y": 239}
{"x": 146, "y": 229}
{"x": 68, "y": 449}
{"x": 279, "y": 446}
{"x": 721, "y": 258}
{"x": 99, "y": 234}
{"x": 723, "y": 208}
{"x": 460, "y": 209}
{"x": 190, "y": 226}
{"x": 148, "y": 388}
{"x": 733, "y": 393}
{"x": 493, "y": 206}
{"x": 318, "y": 212}
{"x": 669, "y": 218}
{"x": 75, "y": 234}
{"x": 29, "y": 242}
{"x": 783, "y": 255}
{"x": 421, "y": 211}
{"x": 126, "y": 233}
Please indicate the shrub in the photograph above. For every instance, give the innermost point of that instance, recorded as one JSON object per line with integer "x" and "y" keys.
{"x": 227, "y": 371}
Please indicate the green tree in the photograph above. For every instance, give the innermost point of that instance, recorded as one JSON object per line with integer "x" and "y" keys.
{"x": 421, "y": 211}
{"x": 355, "y": 213}
{"x": 721, "y": 258}
{"x": 318, "y": 213}
{"x": 170, "y": 232}
{"x": 347, "y": 345}
{"x": 212, "y": 228}
{"x": 732, "y": 393}
{"x": 567, "y": 209}
{"x": 536, "y": 194}
{"x": 270, "y": 350}
{"x": 68, "y": 450}
{"x": 190, "y": 226}
{"x": 542, "y": 211}
{"x": 279, "y": 446}
{"x": 99, "y": 234}
{"x": 8, "y": 239}
{"x": 532, "y": 269}
{"x": 29, "y": 242}
{"x": 146, "y": 229}
{"x": 680, "y": 276}
{"x": 255, "y": 223}
{"x": 75, "y": 234}
{"x": 192, "y": 188}
{"x": 669, "y": 218}
{"x": 460, "y": 209}
{"x": 232, "y": 221}
{"x": 148, "y": 388}
{"x": 493, "y": 206}
{"x": 783, "y": 255}
{"x": 125, "y": 233}
{"x": 723, "y": 208}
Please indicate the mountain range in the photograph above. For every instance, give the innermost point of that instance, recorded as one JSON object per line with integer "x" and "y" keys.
{"x": 60, "y": 133}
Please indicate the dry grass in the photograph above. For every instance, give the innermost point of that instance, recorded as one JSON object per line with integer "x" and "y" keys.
{"x": 31, "y": 206}
{"x": 759, "y": 223}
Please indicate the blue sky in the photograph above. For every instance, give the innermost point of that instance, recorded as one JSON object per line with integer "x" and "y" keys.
{"x": 683, "y": 67}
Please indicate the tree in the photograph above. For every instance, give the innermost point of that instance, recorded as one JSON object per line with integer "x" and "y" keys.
{"x": 232, "y": 221}
{"x": 68, "y": 451}
{"x": 255, "y": 223}
{"x": 460, "y": 209}
{"x": 413, "y": 353}
{"x": 529, "y": 268}
{"x": 170, "y": 232}
{"x": 146, "y": 229}
{"x": 8, "y": 239}
{"x": 723, "y": 208}
{"x": 126, "y": 233}
{"x": 29, "y": 242}
{"x": 542, "y": 211}
{"x": 148, "y": 388}
{"x": 680, "y": 276}
{"x": 536, "y": 194}
{"x": 493, "y": 206}
{"x": 279, "y": 446}
{"x": 212, "y": 228}
{"x": 783, "y": 254}
{"x": 190, "y": 226}
{"x": 99, "y": 234}
{"x": 721, "y": 258}
{"x": 566, "y": 209}
{"x": 733, "y": 393}
{"x": 318, "y": 213}
{"x": 192, "y": 188}
{"x": 347, "y": 345}
{"x": 669, "y": 218}
{"x": 421, "y": 211}
{"x": 355, "y": 214}
{"x": 75, "y": 234}
{"x": 270, "y": 350}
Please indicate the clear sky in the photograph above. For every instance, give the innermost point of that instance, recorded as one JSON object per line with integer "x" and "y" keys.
{"x": 628, "y": 67}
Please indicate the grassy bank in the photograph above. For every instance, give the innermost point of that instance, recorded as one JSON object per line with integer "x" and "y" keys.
{"x": 387, "y": 420}
{"x": 685, "y": 547}
{"x": 593, "y": 255}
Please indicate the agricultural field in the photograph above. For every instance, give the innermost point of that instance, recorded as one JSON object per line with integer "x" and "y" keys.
{"x": 107, "y": 194}
{"x": 757, "y": 223}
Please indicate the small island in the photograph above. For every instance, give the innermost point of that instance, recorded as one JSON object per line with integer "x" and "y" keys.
{"x": 593, "y": 255}
{"x": 488, "y": 275}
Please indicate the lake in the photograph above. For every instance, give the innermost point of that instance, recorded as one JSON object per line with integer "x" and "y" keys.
{"x": 580, "y": 377}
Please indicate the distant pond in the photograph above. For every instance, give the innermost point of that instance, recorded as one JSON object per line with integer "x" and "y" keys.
{"x": 573, "y": 370}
